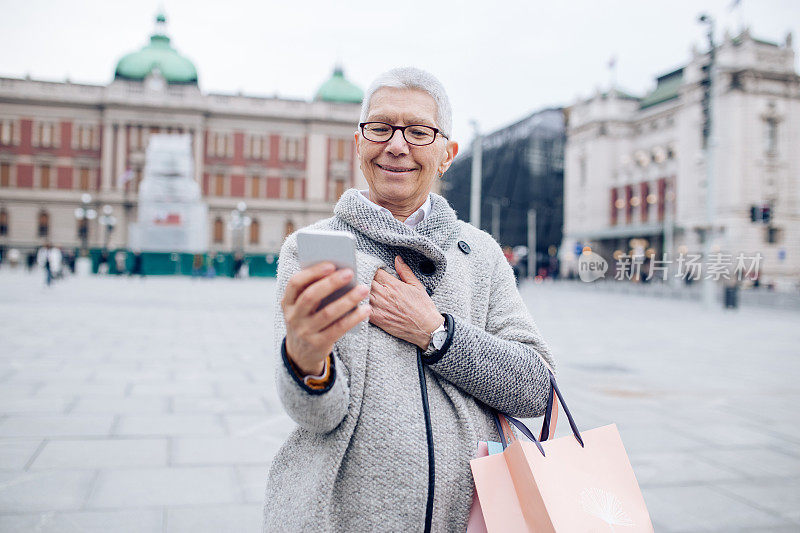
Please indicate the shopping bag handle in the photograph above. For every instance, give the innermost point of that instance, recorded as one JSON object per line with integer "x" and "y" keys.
{"x": 507, "y": 436}
{"x": 548, "y": 426}
{"x": 551, "y": 413}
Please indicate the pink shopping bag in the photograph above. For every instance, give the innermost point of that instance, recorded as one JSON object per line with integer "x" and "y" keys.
{"x": 475, "y": 523}
{"x": 579, "y": 483}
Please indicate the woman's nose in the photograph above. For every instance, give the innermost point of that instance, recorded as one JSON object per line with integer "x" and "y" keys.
{"x": 397, "y": 144}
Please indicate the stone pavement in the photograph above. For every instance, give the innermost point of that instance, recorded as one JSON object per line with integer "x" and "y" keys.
{"x": 132, "y": 405}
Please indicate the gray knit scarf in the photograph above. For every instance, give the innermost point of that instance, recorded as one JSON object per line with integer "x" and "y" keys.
{"x": 385, "y": 237}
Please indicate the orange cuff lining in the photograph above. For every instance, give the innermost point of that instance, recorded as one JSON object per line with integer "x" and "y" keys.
{"x": 316, "y": 383}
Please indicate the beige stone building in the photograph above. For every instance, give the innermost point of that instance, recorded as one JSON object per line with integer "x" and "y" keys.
{"x": 635, "y": 167}
{"x": 288, "y": 160}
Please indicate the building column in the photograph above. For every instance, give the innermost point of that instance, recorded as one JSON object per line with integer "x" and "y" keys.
{"x": 317, "y": 167}
{"x": 119, "y": 162}
{"x": 197, "y": 138}
{"x": 107, "y": 157}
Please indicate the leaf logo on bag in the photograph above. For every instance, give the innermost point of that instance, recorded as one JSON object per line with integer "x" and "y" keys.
{"x": 605, "y": 506}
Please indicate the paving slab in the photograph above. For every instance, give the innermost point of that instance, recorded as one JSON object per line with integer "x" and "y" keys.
{"x": 15, "y": 453}
{"x": 170, "y": 425}
{"x": 223, "y": 451}
{"x": 125, "y": 521}
{"x": 215, "y": 519}
{"x": 702, "y": 508}
{"x": 146, "y": 487}
{"x": 102, "y": 453}
{"x": 55, "y": 425}
{"x": 755, "y": 462}
{"x": 52, "y": 490}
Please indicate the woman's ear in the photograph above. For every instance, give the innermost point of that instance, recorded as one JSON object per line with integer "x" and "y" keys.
{"x": 451, "y": 150}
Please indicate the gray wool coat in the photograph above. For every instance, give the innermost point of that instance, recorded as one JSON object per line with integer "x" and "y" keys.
{"x": 358, "y": 459}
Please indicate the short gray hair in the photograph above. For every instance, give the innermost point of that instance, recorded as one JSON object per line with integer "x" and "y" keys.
{"x": 414, "y": 78}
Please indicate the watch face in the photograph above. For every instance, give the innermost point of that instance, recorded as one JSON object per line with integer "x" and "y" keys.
{"x": 438, "y": 339}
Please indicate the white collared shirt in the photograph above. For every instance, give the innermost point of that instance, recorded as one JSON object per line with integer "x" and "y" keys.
{"x": 415, "y": 218}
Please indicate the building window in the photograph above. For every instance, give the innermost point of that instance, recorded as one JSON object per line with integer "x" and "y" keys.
{"x": 339, "y": 189}
{"x": 644, "y": 201}
{"x": 219, "y": 185}
{"x": 5, "y": 174}
{"x": 256, "y": 146}
{"x": 43, "y": 225}
{"x": 288, "y": 229}
{"x": 3, "y": 222}
{"x": 45, "y": 134}
{"x": 85, "y": 180}
{"x": 628, "y": 204}
{"x": 254, "y": 232}
{"x": 255, "y": 186}
{"x": 291, "y": 188}
{"x": 340, "y": 149}
{"x": 9, "y": 132}
{"x": 135, "y": 138}
{"x": 771, "y": 136}
{"x": 614, "y": 209}
{"x": 137, "y": 178}
{"x": 661, "y": 197}
{"x": 86, "y": 137}
{"x": 44, "y": 177}
{"x": 219, "y": 230}
{"x": 292, "y": 149}
{"x": 220, "y": 144}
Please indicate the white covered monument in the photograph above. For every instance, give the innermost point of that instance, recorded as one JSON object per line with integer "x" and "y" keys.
{"x": 171, "y": 216}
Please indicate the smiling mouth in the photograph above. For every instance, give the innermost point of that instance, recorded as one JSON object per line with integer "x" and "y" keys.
{"x": 396, "y": 170}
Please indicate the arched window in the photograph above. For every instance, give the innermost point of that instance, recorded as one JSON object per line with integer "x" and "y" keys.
{"x": 3, "y": 222}
{"x": 288, "y": 228}
{"x": 254, "y": 232}
{"x": 43, "y": 226}
{"x": 219, "y": 230}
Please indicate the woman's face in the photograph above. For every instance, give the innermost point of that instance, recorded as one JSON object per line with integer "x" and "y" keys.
{"x": 401, "y": 174}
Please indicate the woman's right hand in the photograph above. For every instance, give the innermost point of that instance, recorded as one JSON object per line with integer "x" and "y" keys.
{"x": 310, "y": 334}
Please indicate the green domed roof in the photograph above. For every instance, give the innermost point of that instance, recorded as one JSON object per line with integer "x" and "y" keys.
{"x": 338, "y": 89}
{"x": 158, "y": 54}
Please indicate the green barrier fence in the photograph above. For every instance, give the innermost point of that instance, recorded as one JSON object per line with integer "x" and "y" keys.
{"x": 183, "y": 264}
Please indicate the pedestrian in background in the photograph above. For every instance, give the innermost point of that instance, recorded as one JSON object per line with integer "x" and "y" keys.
{"x": 49, "y": 259}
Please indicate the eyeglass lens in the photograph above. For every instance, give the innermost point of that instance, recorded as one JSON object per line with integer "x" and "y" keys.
{"x": 417, "y": 135}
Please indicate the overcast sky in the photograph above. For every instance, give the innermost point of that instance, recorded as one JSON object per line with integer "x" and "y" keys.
{"x": 498, "y": 60}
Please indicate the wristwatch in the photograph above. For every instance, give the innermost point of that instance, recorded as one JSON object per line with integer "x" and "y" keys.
{"x": 438, "y": 336}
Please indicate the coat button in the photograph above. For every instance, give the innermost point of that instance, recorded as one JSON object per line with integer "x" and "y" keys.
{"x": 427, "y": 267}
{"x": 464, "y": 247}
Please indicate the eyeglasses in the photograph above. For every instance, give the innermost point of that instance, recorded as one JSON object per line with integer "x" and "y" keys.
{"x": 416, "y": 134}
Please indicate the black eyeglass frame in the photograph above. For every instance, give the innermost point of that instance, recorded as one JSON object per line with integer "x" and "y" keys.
{"x": 436, "y": 131}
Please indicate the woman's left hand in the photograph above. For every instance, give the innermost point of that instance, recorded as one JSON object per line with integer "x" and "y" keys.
{"x": 402, "y": 307}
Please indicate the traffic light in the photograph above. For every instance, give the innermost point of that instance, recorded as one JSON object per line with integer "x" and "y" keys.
{"x": 754, "y": 214}
{"x": 766, "y": 214}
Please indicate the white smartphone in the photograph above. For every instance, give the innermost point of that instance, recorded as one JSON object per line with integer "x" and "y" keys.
{"x": 338, "y": 247}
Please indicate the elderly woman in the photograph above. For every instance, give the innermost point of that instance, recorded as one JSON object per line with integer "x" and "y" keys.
{"x": 391, "y": 398}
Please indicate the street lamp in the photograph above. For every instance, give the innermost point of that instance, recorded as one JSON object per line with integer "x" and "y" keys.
{"x": 709, "y": 285}
{"x": 83, "y": 215}
{"x": 239, "y": 221}
{"x": 109, "y": 221}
